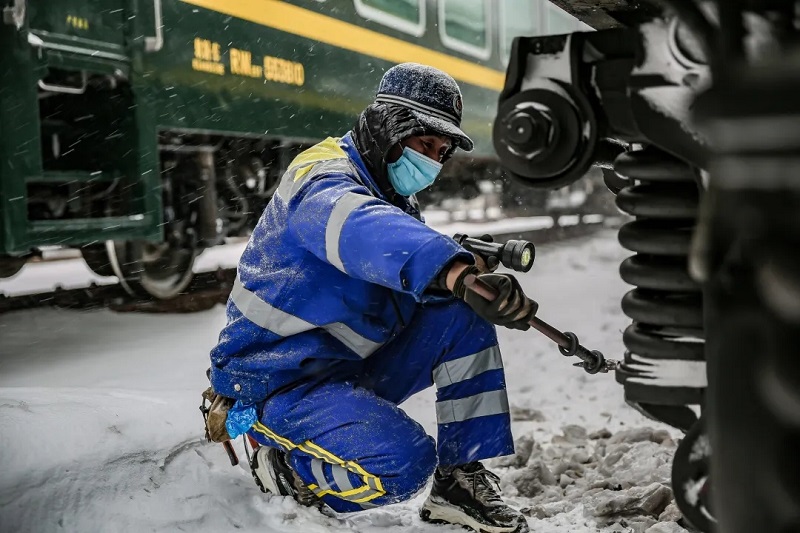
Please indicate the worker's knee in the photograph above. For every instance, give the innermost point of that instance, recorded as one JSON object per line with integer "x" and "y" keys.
{"x": 395, "y": 476}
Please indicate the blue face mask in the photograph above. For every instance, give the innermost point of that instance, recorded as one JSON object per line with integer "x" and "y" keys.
{"x": 412, "y": 172}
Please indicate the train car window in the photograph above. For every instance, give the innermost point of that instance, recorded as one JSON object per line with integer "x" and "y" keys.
{"x": 518, "y": 18}
{"x": 405, "y": 15}
{"x": 464, "y": 25}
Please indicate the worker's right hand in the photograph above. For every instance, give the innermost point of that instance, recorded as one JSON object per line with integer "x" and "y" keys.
{"x": 511, "y": 308}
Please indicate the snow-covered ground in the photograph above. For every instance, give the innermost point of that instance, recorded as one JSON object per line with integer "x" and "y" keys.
{"x": 100, "y": 428}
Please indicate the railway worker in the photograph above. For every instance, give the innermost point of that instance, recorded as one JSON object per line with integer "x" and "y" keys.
{"x": 346, "y": 304}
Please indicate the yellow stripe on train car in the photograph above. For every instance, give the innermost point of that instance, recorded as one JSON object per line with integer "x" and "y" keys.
{"x": 318, "y": 27}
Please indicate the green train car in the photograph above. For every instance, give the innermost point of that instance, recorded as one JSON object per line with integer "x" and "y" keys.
{"x": 143, "y": 131}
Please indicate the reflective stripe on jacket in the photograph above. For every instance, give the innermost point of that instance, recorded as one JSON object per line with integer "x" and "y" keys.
{"x": 332, "y": 272}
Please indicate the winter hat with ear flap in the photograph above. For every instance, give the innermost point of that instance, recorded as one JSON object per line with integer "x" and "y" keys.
{"x": 432, "y": 96}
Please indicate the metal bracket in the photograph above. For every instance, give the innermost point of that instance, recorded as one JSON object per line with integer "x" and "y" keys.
{"x": 64, "y": 89}
{"x": 154, "y": 44}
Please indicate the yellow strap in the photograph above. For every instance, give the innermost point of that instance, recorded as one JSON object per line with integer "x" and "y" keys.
{"x": 302, "y": 172}
{"x": 371, "y": 481}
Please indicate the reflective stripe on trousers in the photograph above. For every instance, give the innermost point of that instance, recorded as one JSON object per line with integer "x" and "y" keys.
{"x": 484, "y": 404}
{"x": 462, "y": 369}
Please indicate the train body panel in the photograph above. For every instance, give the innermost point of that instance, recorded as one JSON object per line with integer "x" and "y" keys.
{"x": 98, "y": 25}
{"x": 72, "y": 138}
{"x": 280, "y": 70}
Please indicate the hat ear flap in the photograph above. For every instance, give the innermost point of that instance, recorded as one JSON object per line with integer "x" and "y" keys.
{"x": 399, "y": 124}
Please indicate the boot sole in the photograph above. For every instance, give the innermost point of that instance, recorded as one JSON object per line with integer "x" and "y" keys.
{"x": 273, "y": 482}
{"x": 450, "y": 514}
{"x": 265, "y": 474}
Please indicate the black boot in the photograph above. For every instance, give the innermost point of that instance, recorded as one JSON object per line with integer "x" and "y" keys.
{"x": 273, "y": 474}
{"x": 466, "y": 495}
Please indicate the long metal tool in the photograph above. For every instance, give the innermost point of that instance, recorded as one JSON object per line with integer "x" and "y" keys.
{"x": 592, "y": 361}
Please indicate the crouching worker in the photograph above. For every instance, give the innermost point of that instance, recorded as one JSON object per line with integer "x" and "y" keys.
{"x": 346, "y": 304}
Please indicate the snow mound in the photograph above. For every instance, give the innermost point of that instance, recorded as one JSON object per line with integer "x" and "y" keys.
{"x": 619, "y": 481}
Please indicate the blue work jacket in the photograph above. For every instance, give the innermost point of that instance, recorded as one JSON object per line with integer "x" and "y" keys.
{"x": 332, "y": 273}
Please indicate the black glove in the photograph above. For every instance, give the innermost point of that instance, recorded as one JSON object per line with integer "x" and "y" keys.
{"x": 491, "y": 262}
{"x": 511, "y": 308}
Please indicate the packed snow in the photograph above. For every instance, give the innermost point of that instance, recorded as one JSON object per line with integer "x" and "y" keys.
{"x": 100, "y": 428}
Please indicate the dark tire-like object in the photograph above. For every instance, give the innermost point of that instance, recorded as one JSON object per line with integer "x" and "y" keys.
{"x": 10, "y": 265}
{"x": 96, "y": 257}
{"x": 691, "y": 480}
{"x": 158, "y": 271}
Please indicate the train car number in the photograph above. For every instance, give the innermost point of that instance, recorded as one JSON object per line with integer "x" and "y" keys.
{"x": 284, "y": 71}
{"x": 208, "y": 58}
{"x": 79, "y": 23}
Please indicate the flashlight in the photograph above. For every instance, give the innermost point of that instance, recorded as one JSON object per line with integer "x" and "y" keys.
{"x": 514, "y": 254}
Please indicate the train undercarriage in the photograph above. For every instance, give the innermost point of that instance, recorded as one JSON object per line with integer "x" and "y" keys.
{"x": 693, "y": 115}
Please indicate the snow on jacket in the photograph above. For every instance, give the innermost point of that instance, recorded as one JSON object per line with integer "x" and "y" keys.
{"x": 332, "y": 272}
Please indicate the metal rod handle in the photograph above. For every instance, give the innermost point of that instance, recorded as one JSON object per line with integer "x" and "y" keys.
{"x": 593, "y": 361}
{"x": 66, "y": 89}
{"x": 485, "y": 291}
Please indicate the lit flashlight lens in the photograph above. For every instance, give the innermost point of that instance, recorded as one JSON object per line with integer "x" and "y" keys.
{"x": 526, "y": 257}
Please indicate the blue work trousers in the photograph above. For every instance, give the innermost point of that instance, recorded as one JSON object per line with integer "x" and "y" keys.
{"x": 354, "y": 447}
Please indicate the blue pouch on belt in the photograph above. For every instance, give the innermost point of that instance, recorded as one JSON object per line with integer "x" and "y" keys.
{"x": 241, "y": 418}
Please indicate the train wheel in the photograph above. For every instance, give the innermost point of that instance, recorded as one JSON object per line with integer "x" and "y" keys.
{"x": 160, "y": 271}
{"x": 96, "y": 258}
{"x": 10, "y": 265}
{"x": 691, "y": 482}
